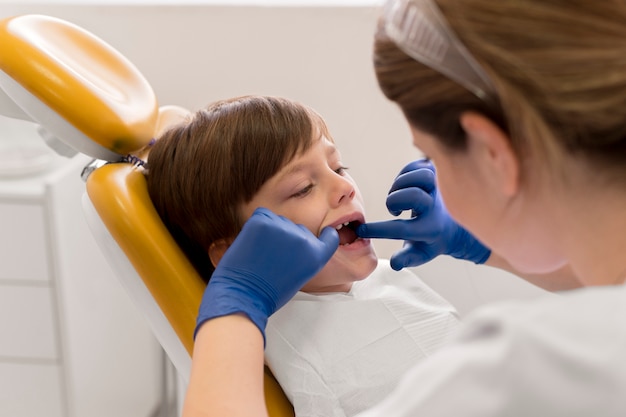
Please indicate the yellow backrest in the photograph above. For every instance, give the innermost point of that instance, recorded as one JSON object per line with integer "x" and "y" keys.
{"x": 119, "y": 194}
{"x": 75, "y": 85}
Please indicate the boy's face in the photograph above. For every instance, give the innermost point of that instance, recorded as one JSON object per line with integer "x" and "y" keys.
{"x": 315, "y": 190}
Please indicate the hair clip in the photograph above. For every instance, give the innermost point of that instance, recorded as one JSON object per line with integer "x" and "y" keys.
{"x": 420, "y": 30}
{"x": 132, "y": 159}
{"x": 135, "y": 160}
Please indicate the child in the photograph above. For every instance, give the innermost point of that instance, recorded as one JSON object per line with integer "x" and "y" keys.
{"x": 344, "y": 341}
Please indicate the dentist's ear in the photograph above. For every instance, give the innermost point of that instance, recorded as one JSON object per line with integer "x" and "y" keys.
{"x": 493, "y": 151}
{"x": 217, "y": 250}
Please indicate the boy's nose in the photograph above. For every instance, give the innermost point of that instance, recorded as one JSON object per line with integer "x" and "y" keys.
{"x": 344, "y": 192}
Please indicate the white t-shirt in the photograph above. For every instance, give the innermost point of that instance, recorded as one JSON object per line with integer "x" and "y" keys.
{"x": 340, "y": 353}
{"x": 558, "y": 356}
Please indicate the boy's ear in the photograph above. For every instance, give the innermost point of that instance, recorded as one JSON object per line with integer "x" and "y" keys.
{"x": 217, "y": 249}
{"x": 492, "y": 148}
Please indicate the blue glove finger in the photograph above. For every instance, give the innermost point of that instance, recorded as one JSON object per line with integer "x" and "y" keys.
{"x": 266, "y": 237}
{"x": 330, "y": 239}
{"x": 406, "y": 229}
{"x": 423, "y": 178}
{"x": 388, "y": 229}
{"x": 417, "y": 164}
{"x": 268, "y": 262}
{"x": 414, "y": 199}
{"x": 411, "y": 254}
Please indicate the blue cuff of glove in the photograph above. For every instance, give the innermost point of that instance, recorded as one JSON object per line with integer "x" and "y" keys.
{"x": 482, "y": 258}
{"x": 471, "y": 249}
{"x": 476, "y": 252}
{"x": 219, "y": 305}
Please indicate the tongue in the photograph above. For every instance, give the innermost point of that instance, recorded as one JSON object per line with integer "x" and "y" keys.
{"x": 346, "y": 235}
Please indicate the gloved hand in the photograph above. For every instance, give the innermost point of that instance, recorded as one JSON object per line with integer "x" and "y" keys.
{"x": 269, "y": 261}
{"x": 430, "y": 231}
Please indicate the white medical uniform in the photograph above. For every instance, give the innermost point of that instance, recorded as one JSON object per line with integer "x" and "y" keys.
{"x": 560, "y": 356}
{"x": 340, "y": 353}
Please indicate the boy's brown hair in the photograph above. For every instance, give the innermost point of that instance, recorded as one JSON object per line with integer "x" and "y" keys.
{"x": 200, "y": 172}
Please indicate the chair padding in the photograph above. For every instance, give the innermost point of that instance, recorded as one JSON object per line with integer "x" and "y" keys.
{"x": 66, "y": 71}
{"x": 120, "y": 196}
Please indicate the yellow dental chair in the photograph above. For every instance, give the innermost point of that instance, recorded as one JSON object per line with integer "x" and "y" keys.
{"x": 86, "y": 97}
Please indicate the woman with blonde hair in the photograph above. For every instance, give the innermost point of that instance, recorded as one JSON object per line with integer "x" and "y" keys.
{"x": 521, "y": 106}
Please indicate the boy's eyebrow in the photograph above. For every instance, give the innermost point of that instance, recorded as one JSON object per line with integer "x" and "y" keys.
{"x": 292, "y": 170}
{"x": 330, "y": 151}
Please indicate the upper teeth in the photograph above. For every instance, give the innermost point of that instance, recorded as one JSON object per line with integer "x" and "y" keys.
{"x": 338, "y": 227}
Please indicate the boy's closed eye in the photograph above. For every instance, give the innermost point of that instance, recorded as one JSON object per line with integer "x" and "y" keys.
{"x": 307, "y": 189}
{"x": 341, "y": 170}
{"x": 302, "y": 192}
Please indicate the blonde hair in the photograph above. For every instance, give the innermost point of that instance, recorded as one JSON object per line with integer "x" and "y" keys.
{"x": 559, "y": 67}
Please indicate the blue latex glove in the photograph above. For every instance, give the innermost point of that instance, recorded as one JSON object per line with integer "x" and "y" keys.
{"x": 269, "y": 261}
{"x": 430, "y": 231}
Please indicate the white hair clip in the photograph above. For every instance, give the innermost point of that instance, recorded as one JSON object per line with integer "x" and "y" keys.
{"x": 420, "y": 30}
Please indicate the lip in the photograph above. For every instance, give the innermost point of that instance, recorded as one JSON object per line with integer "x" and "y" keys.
{"x": 360, "y": 243}
{"x": 352, "y": 217}
{"x": 355, "y": 216}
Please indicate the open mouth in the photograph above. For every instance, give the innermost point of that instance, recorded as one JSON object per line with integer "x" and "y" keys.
{"x": 347, "y": 232}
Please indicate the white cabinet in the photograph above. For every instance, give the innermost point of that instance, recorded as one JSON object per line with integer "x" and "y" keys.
{"x": 31, "y": 388}
{"x": 71, "y": 342}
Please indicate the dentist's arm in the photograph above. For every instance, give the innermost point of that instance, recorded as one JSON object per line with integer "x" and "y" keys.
{"x": 227, "y": 370}
{"x": 269, "y": 261}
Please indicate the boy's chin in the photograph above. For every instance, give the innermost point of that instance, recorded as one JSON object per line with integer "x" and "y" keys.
{"x": 340, "y": 272}
{"x": 358, "y": 268}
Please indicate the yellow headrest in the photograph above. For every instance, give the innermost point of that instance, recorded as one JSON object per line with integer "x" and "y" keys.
{"x": 81, "y": 78}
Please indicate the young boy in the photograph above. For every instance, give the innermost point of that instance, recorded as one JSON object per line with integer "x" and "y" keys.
{"x": 344, "y": 341}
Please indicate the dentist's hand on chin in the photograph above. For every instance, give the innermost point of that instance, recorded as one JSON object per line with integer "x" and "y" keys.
{"x": 269, "y": 261}
{"x": 430, "y": 231}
